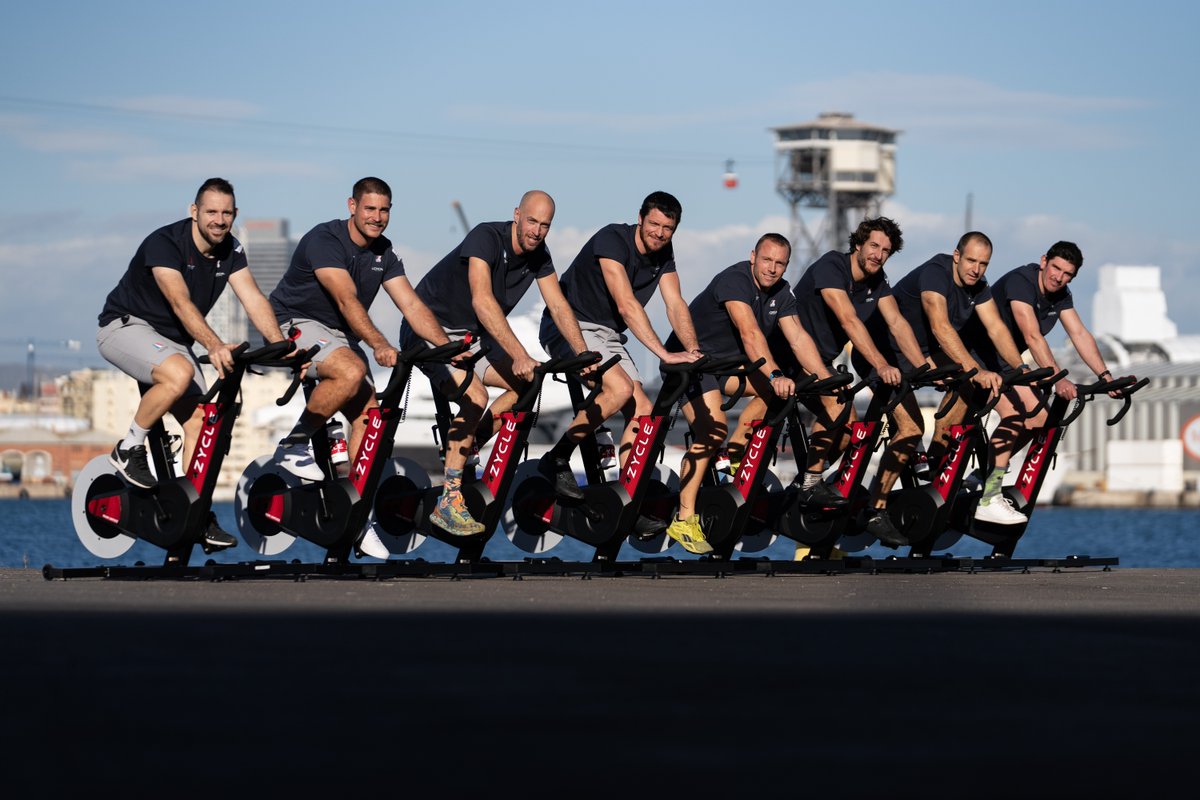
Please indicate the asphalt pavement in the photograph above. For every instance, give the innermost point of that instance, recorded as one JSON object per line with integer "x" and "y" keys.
{"x": 1076, "y": 683}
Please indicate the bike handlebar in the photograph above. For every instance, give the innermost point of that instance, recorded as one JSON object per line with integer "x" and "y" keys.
{"x": 265, "y": 356}
{"x": 529, "y": 394}
{"x": 422, "y": 353}
{"x": 1124, "y": 387}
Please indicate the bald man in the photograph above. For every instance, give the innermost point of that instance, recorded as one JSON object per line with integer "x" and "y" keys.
{"x": 472, "y": 291}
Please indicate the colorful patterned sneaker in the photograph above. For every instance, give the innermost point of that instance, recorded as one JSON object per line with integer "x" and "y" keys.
{"x": 133, "y": 465}
{"x": 1000, "y": 511}
{"x": 451, "y": 515}
{"x": 215, "y": 538}
{"x": 688, "y": 533}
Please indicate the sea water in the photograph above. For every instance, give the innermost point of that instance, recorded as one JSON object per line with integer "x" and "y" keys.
{"x": 38, "y": 532}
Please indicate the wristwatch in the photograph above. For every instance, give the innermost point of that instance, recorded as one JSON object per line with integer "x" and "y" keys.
{"x": 775, "y": 373}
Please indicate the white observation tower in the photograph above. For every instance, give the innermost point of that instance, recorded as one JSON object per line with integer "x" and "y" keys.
{"x": 836, "y": 163}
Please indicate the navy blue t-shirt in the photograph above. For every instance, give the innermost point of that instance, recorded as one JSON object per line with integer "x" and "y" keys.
{"x": 300, "y": 294}
{"x": 832, "y": 271}
{"x": 935, "y": 275}
{"x": 1022, "y": 284}
{"x": 172, "y": 246}
{"x": 719, "y": 337}
{"x": 446, "y": 288}
{"x": 583, "y": 282}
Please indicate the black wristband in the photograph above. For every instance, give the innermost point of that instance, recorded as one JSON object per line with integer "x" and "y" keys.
{"x": 1107, "y": 372}
{"x": 775, "y": 373}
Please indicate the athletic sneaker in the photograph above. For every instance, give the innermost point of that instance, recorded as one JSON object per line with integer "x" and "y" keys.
{"x": 1000, "y": 511}
{"x": 820, "y": 495}
{"x": 451, "y": 515}
{"x": 558, "y": 472}
{"x": 371, "y": 545}
{"x": 688, "y": 533}
{"x": 880, "y": 525}
{"x": 646, "y": 527}
{"x": 133, "y": 465}
{"x": 215, "y": 538}
{"x": 297, "y": 458}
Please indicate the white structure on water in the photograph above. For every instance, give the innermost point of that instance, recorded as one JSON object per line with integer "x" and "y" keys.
{"x": 1146, "y": 451}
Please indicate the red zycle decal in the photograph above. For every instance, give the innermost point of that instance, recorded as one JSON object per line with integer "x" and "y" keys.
{"x": 205, "y": 445}
{"x": 856, "y": 457}
{"x": 502, "y": 450}
{"x": 953, "y": 460}
{"x": 368, "y": 450}
{"x": 639, "y": 454}
{"x": 1035, "y": 462}
{"x": 751, "y": 459}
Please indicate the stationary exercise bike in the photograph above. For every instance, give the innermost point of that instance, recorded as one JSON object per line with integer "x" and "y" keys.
{"x": 406, "y": 498}
{"x": 922, "y": 511}
{"x": 1039, "y": 460}
{"x": 639, "y": 502}
{"x": 274, "y": 507}
{"x": 821, "y": 530}
{"x": 747, "y": 510}
{"x": 110, "y": 515}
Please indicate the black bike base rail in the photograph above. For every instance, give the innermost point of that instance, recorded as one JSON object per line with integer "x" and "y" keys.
{"x": 655, "y": 567}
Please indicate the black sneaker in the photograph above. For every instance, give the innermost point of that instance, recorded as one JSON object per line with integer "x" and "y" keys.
{"x": 133, "y": 465}
{"x": 880, "y": 525}
{"x": 215, "y": 538}
{"x": 821, "y": 495}
{"x": 646, "y": 528}
{"x": 558, "y": 472}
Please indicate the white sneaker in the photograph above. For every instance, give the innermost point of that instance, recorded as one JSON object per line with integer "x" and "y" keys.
{"x": 371, "y": 545}
{"x": 298, "y": 460}
{"x": 1000, "y": 511}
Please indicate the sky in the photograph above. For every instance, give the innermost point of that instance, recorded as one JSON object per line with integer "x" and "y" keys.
{"x": 1060, "y": 119}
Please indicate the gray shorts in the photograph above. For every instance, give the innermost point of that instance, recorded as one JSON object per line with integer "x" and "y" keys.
{"x": 312, "y": 333}
{"x": 135, "y": 348}
{"x": 598, "y": 338}
{"x": 439, "y": 374}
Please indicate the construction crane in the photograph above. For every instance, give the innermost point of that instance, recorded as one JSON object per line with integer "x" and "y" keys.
{"x": 462, "y": 217}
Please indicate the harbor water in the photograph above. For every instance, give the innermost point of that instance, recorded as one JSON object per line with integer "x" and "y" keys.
{"x": 38, "y": 532}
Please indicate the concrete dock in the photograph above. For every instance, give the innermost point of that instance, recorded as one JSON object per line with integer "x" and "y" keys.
{"x": 1072, "y": 684}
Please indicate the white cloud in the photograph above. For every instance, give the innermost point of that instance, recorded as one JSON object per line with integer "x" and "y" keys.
{"x": 36, "y": 134}
{"x": 180, "y": 105}
{"x": 619, "y": 123}
{"x": 957, "y": 109}
{"x": 190, "y": 166}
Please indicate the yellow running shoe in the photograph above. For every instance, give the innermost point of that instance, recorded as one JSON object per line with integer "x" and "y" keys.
{"x": 687, "y": 532}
